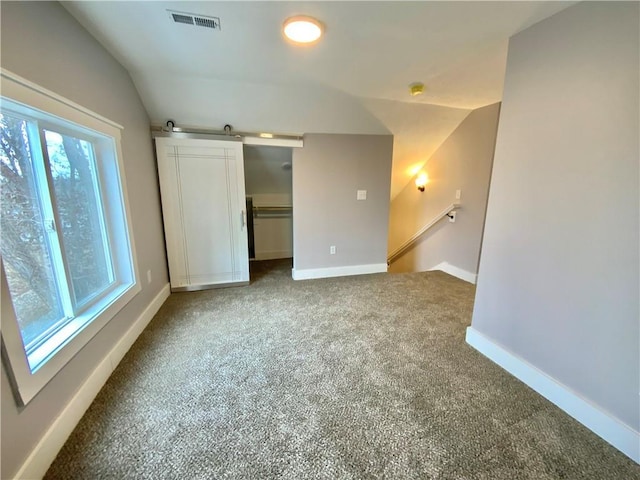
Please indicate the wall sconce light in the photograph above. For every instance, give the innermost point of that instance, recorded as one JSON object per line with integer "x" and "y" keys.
{"x": 421, "y": 181}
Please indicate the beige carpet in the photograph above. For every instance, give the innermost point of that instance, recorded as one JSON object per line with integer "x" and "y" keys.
{"x": 349, "y": 378}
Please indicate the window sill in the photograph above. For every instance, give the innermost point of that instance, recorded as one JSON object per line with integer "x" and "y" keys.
{"x": 65, "y": 335}
{"x": 53, "y": 355}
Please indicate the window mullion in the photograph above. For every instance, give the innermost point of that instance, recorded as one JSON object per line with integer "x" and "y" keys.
{"x": 44, "y": 184}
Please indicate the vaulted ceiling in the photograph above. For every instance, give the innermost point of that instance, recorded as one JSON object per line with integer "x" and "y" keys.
{"x": 355, "y": 80}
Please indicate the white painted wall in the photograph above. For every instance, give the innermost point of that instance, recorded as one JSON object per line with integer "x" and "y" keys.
{"x": 463, "y": 162}
{"x": 254, "y": 107}
{"x": 353, "y": 82}
{"x": 558, "y": 283}
{"x": 58, "y": 54}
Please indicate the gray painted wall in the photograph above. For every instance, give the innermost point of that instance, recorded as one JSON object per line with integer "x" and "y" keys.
{"x": 558, "y": 281}
{"x": 58, "y": 54}
{"x": 263, "y": 172}
{"x": 463, "y": 162}
{"x": 327, "y": 172}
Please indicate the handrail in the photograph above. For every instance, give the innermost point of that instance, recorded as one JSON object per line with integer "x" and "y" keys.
{"x": 405, "y": 246}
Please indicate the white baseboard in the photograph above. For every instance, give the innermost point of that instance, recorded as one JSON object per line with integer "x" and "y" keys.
{"x": 615, "y": 432}
{"x": 41, "y": 457}
{"x": 446, "y": 267}
{"x": 310, "y": 273}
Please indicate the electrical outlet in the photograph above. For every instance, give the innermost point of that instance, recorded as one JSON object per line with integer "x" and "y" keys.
{"x": 148, "y": 276}
{"x": 452, "y": 216}
{"x": 332, "y": 249}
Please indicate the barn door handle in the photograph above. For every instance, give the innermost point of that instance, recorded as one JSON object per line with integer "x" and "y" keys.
{"x": 243, "y": 218}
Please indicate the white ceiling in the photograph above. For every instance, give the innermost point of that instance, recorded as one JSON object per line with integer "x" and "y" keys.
{"x": 354, "y": 81}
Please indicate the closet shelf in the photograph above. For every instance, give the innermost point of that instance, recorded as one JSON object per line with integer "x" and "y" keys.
{"x": 272, "y": 211}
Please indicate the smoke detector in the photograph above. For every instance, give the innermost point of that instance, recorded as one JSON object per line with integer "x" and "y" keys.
{"x": 195, "y": 20}
{"x": 416, "y": 88}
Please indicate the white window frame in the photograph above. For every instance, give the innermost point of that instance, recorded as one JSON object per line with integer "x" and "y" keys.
{"x": 65, "y": 344}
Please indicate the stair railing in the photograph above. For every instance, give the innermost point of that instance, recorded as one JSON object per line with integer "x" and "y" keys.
{"x": 409, "y": 243}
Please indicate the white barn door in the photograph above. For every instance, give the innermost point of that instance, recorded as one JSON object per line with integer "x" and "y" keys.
{"x": 204, "y": 212}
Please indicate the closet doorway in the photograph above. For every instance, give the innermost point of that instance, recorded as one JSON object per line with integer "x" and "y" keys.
{"x": 268, "y": 187}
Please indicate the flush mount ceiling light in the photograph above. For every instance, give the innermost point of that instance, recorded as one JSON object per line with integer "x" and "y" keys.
{"x": 302, "y": 29}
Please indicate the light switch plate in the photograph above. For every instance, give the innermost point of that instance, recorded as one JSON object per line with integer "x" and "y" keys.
{"x": 457, "y": 194}
{"x": 361, "y": 195}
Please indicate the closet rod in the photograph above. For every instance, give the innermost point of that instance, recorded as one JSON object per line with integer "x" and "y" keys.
{"x": 272, "y": 211}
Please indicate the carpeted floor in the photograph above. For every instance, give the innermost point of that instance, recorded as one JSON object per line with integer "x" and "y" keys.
{"x": 346, "y": 378}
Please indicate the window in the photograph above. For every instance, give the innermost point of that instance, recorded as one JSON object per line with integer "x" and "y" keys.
{"x": 67, "y": 254}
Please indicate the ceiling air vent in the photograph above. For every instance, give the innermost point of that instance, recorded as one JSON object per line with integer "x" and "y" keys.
{"x": 195, "y": 20}
{"x": 179, "y": 18}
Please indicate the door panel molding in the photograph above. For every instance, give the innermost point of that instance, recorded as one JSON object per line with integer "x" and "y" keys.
{"x": 203, "y": 198}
